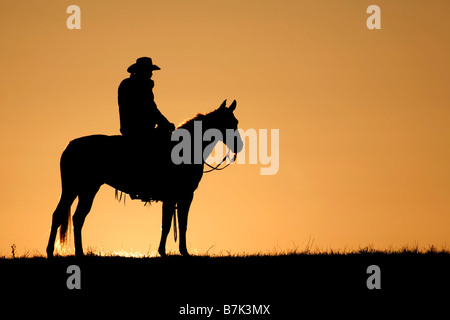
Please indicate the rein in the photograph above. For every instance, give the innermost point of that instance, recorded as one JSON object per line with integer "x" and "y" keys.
{"x": 223, "y": 160}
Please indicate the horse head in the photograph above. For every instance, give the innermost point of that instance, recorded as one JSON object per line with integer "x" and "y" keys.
{"x": 227, "y": 123}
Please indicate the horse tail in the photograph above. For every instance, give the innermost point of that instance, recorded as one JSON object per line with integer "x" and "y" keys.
{"x": 65, "y": 226}
{"x": 68, "y": 195}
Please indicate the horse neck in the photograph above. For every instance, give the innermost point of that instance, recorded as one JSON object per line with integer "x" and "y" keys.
{"x": 196, "y": 133}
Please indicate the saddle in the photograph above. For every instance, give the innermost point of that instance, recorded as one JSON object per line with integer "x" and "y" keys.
{"x": 147, "y": 165}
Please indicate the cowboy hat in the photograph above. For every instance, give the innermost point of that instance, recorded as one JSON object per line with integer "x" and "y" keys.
{"x": 143, "y": 64}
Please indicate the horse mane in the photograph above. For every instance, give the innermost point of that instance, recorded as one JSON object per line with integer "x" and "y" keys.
{"x": 211, "y": 116}
{"x": 190, "y": 122}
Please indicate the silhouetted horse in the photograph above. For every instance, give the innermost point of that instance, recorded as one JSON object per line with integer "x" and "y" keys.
{"x": 89, "y": 162}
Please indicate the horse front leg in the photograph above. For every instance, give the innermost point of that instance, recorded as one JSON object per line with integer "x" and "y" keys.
{"x": 168, "y": 210}
{"x": 183, "y": 209}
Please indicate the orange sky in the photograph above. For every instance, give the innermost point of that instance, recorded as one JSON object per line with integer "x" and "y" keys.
{"x": 363, "y": 117}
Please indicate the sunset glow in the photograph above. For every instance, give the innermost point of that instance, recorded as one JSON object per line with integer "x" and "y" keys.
{"x": 363, "y": 118}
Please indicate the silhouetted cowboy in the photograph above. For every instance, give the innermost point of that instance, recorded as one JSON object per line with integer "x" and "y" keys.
{"x": 138, "y": 111}
{"x": 147, "y": 151}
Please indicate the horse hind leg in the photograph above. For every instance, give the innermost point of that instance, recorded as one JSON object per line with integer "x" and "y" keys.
{"x": 61, "y": 216}
{"x": 85, "y": 200}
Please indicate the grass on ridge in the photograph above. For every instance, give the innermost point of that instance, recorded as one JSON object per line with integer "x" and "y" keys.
{"x": 275, "y": 252}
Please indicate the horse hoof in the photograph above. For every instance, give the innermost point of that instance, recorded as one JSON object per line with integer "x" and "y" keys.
{"x": 49, "y": 253}
{"x": 185, "y": 254}
{"x": 162, "y": 253}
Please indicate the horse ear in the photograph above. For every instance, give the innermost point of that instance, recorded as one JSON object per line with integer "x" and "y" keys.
{"x": 223, "y": 105}
{"x": 232, "y": 107}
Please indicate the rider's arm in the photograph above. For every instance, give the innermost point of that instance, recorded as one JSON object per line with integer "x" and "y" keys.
{"x": 160, "y": 119}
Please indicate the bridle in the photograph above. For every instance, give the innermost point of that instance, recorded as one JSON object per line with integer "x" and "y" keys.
{"x": 223, "y": 160}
